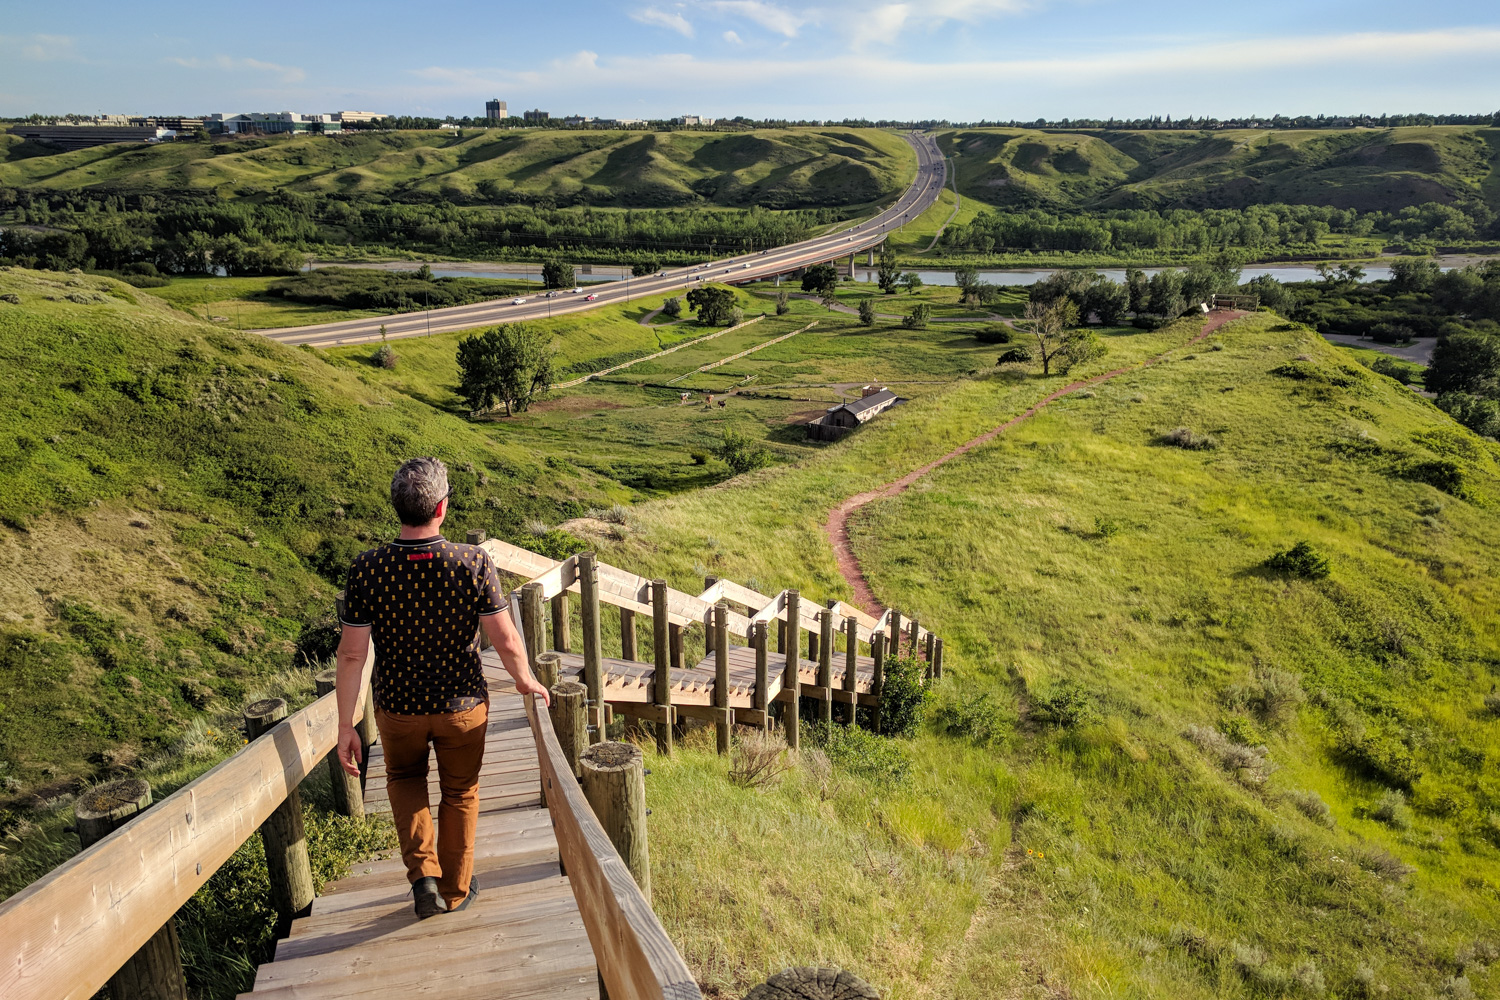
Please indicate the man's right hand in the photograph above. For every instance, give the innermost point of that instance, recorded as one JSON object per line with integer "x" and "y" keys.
{"x": 350, "y": 749}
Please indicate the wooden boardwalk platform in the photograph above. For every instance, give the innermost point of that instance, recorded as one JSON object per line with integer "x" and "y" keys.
{"x": 630, "y": 681}
{"x": 522, "y": 938}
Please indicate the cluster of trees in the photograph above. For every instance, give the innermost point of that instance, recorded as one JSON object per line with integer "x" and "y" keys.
{"x": 714, "y": 306}
{"x": 1258, "y": 227}
{"x": 1153, "y": 300}
{"x": 511, "y": 364}
{"x": 1252, "y": 121}
{"x": 1053, "y": 328}
{"x": 397, "y": 291}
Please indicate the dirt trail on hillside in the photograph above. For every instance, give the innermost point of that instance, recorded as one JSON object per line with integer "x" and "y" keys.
{"x": 837, "y": 527}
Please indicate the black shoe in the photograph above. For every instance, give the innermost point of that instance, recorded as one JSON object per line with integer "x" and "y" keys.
{"x": 429, "y": 901}
{"x": 473, "y": 895}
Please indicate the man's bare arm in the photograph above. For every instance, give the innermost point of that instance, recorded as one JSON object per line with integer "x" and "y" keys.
{"x": 354, "y": 649}
{"x": 512, "y": 649}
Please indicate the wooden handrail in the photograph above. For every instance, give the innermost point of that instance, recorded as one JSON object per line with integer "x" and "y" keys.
{"x": 636, "y": 959}
{"x": 64, "y": 935}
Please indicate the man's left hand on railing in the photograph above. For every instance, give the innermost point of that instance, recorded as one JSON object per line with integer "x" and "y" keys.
{"x": 530, "y": 685}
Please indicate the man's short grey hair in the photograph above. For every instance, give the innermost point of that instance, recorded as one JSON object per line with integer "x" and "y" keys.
{"x": 417, "y": 489}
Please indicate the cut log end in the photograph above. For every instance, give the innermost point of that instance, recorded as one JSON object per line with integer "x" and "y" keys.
{"x": 612, "y": 756}
{"x": 814, "y": 984}
{"x": 129, "y": 794}
{"x": 265, "y": 708}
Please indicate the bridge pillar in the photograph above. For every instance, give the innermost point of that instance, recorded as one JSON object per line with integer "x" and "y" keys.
{"x": 851, "y": 264}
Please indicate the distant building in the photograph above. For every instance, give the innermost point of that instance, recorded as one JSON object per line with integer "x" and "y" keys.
{"x": 272, "y": 123}
{"x": 841, "y": 419}
{"x": 85, "y": 136}
{"x": 358, "y": 116}
{"x": 577, "y": 120}
{"x": 494, "y": 110}
{"x": 177, "y": 123}
{"x": 619, "y": 122}
{"x": 536, "y": 117}
{"x": 693, "y": 120}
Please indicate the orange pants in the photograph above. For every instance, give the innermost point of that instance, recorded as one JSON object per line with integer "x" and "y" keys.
{"x": 458, "y": 738}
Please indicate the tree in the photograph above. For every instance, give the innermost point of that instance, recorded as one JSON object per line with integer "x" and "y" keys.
{"x": 967, "y": 280}
{"x": 738, "y": 452}
{"x": 1413, "y": 274}
{"x": 886, "y": 272}
{"x": 1273, "y": 294}
{"x": 642, "y": 268}
{"x": 1079, "y": 347}
{"x": 867, "y": 311}
{"x": 556, "y": 274}
{"x": 783, "y": 303}
{"x": 1166, "y": 294}
{"x": 913, "y": 281}
{"x": 672, "y": 306}
{"x": 424, "y": 273}
{"x": 1049, "y": 326}
{"x": 712, "y": 304}
{"x": 1139, "y": 289}
{"x": 821, "y": 279}
{"x": 918, "y": 318}
{"x": 511, "y": 364}
{"x": 1106, "y": 300}
{"x": 1466, "y": 362}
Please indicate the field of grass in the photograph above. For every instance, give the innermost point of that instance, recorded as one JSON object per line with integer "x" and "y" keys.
{"x": 1103, "y": 594}
{"x": 243, "y": 303}
{"x": 1365, "y": 169}
{"x": 773, "y": 169}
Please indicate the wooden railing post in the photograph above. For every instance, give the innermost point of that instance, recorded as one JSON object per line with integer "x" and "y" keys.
{"x": 674, "y": 632}
{"x": 533, "y": 622}
{"x": 913, "y": 628}
{"x": 661, "y": 685}
{"x": 877, "y": 682}
{"x": 812, "y": 641}
{"x": 548, "y": 668}
{"x": 155, "y": 971}
{"x": 710, "y": 632}
{"x": 614, "y": 782}
{"x": 287, "y": 862}
{"x": 628, "y": 647}
{"x": 570, "y": 721}
{"x": 808, "y": 983}
{"x": 593, "y": 651}
{"x": 851, "y": 666}
{"x": 562, "y": 640}
{"x": 348, "y": 798}
{"x": 721, "y": 674}
{"x": 937, "y": 660}
{"x": 791, "y": 680}
{"x": 758, "y": 699}
{"x": 780, "y": 636}
{"x": 895, "y": 633}
{"x": 931, "y": 641}
{"x": 825, "y": 662}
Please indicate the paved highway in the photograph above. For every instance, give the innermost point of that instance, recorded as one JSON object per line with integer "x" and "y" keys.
{"x": 765, "y": 264}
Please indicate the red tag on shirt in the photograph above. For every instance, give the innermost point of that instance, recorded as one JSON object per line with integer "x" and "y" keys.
{"x": 418, "y": 555}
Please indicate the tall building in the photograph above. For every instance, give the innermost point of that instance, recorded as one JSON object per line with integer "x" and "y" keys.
{"x": 537, "y": 117}
{"x": 494, "y": 110}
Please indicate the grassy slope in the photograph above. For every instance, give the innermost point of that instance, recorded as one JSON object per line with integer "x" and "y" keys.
{"x": 1074, "y": 551}
{"x": 1363, "y": 169}
{"x": 773, "y": 169}
{"x": 169, "y": 486}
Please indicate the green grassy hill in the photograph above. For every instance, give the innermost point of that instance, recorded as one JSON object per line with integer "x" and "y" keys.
{"x": 1364, "y": 169}
{"x": 796, "y": 168}
{"x": 1159, "y": 767}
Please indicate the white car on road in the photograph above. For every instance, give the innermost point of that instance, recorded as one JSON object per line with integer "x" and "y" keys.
{"x": 518, "y": 302}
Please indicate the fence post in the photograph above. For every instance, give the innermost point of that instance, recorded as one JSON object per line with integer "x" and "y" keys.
{"x": 614, "y": 782}
{"x": 808, "y": 983}
{"x": 895, "y": 635}
{"x": 562, "y": 641}
{"x": 877, "y": 682}
{"x": 912, "y": 628}
{"x": 548, "y": 668}
{"x": 758, "y": 699}
{"x": 674, "y": 632}
{"x": 721, "y": 674}
{"x": 661, "y": 685}
{"x": 937, "y": 661}
{"x": 825, "y": 662}
{"x": 570, "y": 720}
{"x": 791, "y": 680}
{"x": 710, "y": 632}
{"x": 287, "y": 863}
{"x": 348, "y": 799}
{"x": 593, "y": 653}
{"x": 534, "y": 621}
{"x": 627, "y": 635}
{"x": 931, "y": 642}
{"x": 851, "y": 666}
{"x": 812, "y": 640}
{"x": 155, "y": 971}
{"x": 780, "y": 636}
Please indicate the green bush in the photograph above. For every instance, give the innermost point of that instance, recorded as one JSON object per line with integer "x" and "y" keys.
{"x": 1392, "y": 810}
{"x": 861, "y": 752}
{"x": 904, "y": 697}
{"x": 1015, "y": 356}
{"x": 1391, "y": 368}
{"x": 1300, "y": 560}
{"x": 385, "y": 357}
{"x": 672, "y": 306}
{"x": 1380, "y": 755}
{"x": 1185, "y": 437}
{"x": 972, "y": 717}
{"x": 741, "y": 455}
{"x": 1065, "y": 705}
{"x": 917, "y": 320}
{"x": 997, "y": 333}
{"x": 1440, "y": 473}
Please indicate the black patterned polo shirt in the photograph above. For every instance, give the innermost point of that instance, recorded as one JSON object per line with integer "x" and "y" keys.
{"x": 422, "y": 600}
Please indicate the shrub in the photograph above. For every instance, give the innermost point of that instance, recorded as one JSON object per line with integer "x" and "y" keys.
{"x": 1440, "y": 473}
{"x": 385, "y": 357}
{"x": 867, "y": 312}
{"x": 1271, "y": 694}
{"x": 1311, "y": 805}
{"x": 1065, "y": 705}
{"x": 917, "y": 320}
{"x": 1492, "y": 702}
{"x": 1392, "y": 333}
{"x": 1391, "y": 368}
{"x": 783, "y": 303}
{"x": 974, "y": 718}
{"x": 1081, "y": 347}
{"x": 1015, "y": 356}
{"x": 699, "y": 457}
{"x": 1184, "y": 437}
{"x": 757, "y": 759}
{"x": 1392, "y": 810}
{"x": 861, "y": 752}
{"x": 904, "y": 698}
{"x": 1380, "y": 755}
{"x": 11, "y": 297}
{"x": 997, "y": 333}
{"x": 1300, "y": 560}
{"x": 738, "y": 452}
{"x": 1249, "y": 765}
{"x": 673, "y": 306}
{"x": 736, "y": 316}
{"x": 1379, "y": 862}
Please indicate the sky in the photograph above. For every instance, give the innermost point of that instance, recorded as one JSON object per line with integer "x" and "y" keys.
{"x": 960, "y": 60}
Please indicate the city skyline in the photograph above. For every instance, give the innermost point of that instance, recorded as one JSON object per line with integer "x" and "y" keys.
{"x": 960, "y": 60}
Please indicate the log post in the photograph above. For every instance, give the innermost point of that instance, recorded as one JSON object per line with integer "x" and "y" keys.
{"x": 628, "y": 646}
{"x": 721, "y": 674}
{"x": 780, "y": 636}
{"x": 548, "y": 668}
{"x": 814, "y": 984}
{"x": 825, "y": 662}
{"x": 851, "y": 666}
{"x": 348, "y": 799}
{"x": 710, "y": 632}
{"x": 287, "y": 862}
{"x": 931, "y": 642}
{"x": 913, "y": 628}
{"x": 791, "y": 680}
{"x": 614, "y": 782}
{"x": 758, "y": 699}
{"x": 562, "y": 639}
{"x": 877, "y": 682}
{"x": 895, "y": 633}
{"x": 155, "y": 971}
{"x": 674, "y": 633}
{"x": 593, "y": 653}
{"x": 570, "y": 720}
{"x": 812, "y": 641}
{"x": 661, "y": 684}
{"x": 474, "y": 538}
{"x": 534, "y": 622}
{"x": 937, "y": 660}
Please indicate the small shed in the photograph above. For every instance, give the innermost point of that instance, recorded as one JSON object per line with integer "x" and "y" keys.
{"x": 845, "y": 417}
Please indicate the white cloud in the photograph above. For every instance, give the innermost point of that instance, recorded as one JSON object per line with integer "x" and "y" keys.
{"x": 40, "y": 48}
{"x": 733, "y": 38}
{"x": 232, "y": 64}
{"x": 664, "y": 19}
{"x": 767, "y": 15}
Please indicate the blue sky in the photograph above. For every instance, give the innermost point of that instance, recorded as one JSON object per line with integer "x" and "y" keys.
{"x": 955, "y": 59}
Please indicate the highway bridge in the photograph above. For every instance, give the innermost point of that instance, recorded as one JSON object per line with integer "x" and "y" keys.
{"x": 924, "y": 191}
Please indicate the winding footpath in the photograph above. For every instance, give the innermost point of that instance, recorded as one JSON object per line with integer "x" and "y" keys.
{"x": 837, "y": 526}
